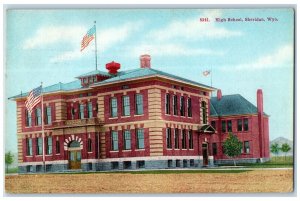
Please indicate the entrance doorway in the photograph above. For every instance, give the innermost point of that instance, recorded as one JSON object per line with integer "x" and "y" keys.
{"x": 205, "y": 154}
{"x": 74, "y": 155}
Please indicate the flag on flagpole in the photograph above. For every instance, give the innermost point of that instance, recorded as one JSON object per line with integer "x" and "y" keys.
{"x": 89, "y": 36}
{"x": 206, "y": 73}
{"x": 33, "y": 98}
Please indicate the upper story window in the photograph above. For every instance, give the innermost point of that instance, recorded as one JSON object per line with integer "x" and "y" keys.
{"x": 139, "y": 104}
{"x": 182, "y": 106}
{"x": 113, "y": 107}
{"x": 204, "y": 112}
{"x": 140, "y": 138}
{"x": 95, "y": 78}
{"x": 223, "y": 126}
{"x": 48, "y": 115}
{"x": 229, "y": 126}
{"x": 175, "y": 107}
{"x": 85, "y": 80}
{"x": 189, "y": 107}
{"x": 183, "y": 139}
{"x": 89, "y": 145}
{"x": 90, "y": 110}
{"x": 169, "y": 139}
{"x": 246, "y": 125}
{"x": 167, "y": 103}
{"x": 49, "y": 145}
{"x": 39, "y": 146}
{"x": 27, "y": 119}
{"x": 191, "y": 142}
{"x": 57, "y": 146}
{"x": 239, "y": 125}
{"x": 214, "y": 148}
{"x": 126, "y": 106}
{"x": 176, "y": 136}
{"x": 28, "y": 146}
{"x": 246, "y": 147}
{"x": 90, "y": 79}
{"x": 127, "y": 140}
{"x": 81, "y": 111}
{"x": 213, "y": 124}
{"x": 38, "y": 117}
{"x": 72, "y": 113}
{"x": 114, "y": 141}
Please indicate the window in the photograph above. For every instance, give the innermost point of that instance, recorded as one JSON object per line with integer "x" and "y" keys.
{"x": 29, "y": 168}
{"x": 170, "y": 163}
{"x": 140, "y": 138}
{"x": 48, "y": 115}
{"x": 214, "y": 148}
{"x": 183, "y": 139}
{"x": 85, "y": 80}
{"x": 90, "y": 167}
{"x": 89, "y": 145}
{"x": 113, "y": 107}
{"x": 229, "y": 126}
{"x": 140, "y": 164}
{"x": 246, "y": 147}
{"x": 126, "y": 105}
{"x": 81, "y": 111}
{"x": 48, "y": 168}
{"x": 245, "y": 124}
{"x": 176, "y": 134}
{"x": 175, "y": 103}
{"x": 29, "y": 146}
{"x": 127, "y": 164}
{"x": 192, "y": 163}
{"x": 139, "y": 104}
{"x": 90, "y": 79}
{"x": 189, "y": 107}
{"x": 177, "y": 163}
{"x": 127, "y": 140}
{"x": 28, "y": 118}
{"x": 72, "y": 113}
{"x": 114, "y": 165}
{"x": 114, "y": 141}
{"x": 213, "y": 124}
{"x": 38, "y": 168}
{"x": 167, "y": 103}
{"x": 90, "y": 110}
{"x": 57, "y": 147}
{"x": 223, "y": 126}
{"x": 184, "y": 163}
{"x": 95, "y": 78}
{"x": 239, "y": 125}
{"x": 39, "y": 146}
{"x": 182, "y": 106}
{"x": 191, "y": 144}
{"x": 169, "y": 139}
{"x": 204, "y": 112}
{"x": 38, "y": 117}
{"x": 49, "y": 145}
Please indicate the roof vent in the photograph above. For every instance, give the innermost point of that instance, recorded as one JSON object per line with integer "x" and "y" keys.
{"x": 113, "y": 67}
{"x": 219, "y": 94}
{"x": 145, "y": 61}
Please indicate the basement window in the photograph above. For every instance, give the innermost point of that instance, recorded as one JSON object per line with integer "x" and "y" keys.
{"x": 140, "y": 164}
{"x": 170, "y": 163}
{"x": 127, "y": 165}
{"x": 115, "y": 165}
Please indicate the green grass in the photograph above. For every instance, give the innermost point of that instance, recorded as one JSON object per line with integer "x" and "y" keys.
{"x": 161, "y": 172}
{"x": 11, "y": 170}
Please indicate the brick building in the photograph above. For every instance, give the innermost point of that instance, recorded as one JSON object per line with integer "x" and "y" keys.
{"x": 141, "y": 118}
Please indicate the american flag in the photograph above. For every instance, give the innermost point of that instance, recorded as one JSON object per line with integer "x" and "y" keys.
{"x": 206, "y": 73}
{"x": 33, "y": 98}
{"x": 89, "y": 36}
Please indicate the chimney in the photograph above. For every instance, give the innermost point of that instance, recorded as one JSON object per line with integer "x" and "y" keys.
{"x": 145, "y": 61}
{"x": 113, "y": 67}
{"x": 260, "y": 107}
{"x": 219, "y": 94}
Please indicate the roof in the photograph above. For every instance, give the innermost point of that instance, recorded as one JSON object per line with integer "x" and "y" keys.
{"x": 231, "y": 105}
{"x": 120, "y": 76}
{"x": 146, "y": 72}
{"x": 95, "y": 72}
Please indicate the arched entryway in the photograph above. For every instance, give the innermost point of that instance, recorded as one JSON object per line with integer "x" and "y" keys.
{"x": 74, "y": 155}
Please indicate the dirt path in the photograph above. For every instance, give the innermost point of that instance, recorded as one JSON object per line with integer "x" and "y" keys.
{"x": 251, "y": 181}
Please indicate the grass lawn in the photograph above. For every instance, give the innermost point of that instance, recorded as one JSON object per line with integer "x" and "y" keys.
{"x": 11, "y": 170}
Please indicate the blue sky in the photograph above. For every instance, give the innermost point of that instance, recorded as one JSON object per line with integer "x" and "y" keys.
{"x": 44, "y": 46}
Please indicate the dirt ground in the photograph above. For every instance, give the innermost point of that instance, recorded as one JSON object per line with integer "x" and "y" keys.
{"x": 245, "y": 182}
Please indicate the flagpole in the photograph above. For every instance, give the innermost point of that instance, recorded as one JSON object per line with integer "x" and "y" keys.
{"x": 95, "y": 44}
{"x": 210, "y": 76}
{"x": 43, "y": 132}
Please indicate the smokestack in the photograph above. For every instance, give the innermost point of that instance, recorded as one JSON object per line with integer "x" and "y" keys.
{"x": 260, "y": 112}
{"x": 260, "y": 106}
{"x": 145, "y": 61}
{"x": 219, "y": 94}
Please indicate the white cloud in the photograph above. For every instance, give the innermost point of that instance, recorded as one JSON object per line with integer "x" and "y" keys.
{"x": 171, "y": 49}
{"x": 193, "y": 29}
{"x": 277, "y": 59}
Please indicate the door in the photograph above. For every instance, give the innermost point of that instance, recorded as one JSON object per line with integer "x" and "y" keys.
{"x": 205, "y": 154}
{"x": 75, "y": 159}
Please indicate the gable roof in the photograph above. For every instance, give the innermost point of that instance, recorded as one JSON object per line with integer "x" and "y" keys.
{"x": 231, "y": 105}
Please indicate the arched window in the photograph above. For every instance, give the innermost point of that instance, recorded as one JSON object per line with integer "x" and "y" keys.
{"x": 74, "y": 144}
{"x": 204, "y": 112}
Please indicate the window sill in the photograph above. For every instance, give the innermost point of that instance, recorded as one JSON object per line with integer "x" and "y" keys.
{"x": 49, "y": 155}
{"x": 38, "y": 155}
{"x": 113, "y": 118}
{"x": 183, "y": 149}
{"x": 29, "y": 156}
{"x": 169, "y": 149}
{"x": 89, "y": 152}
{"x": 127, "y": 150}
{"x": 57, "y": 154}
{"x": 115, "y": 151}
{"x": 140, "y": 150}
{"x": 176, "y": 149}
{"x": 138, "y": 115}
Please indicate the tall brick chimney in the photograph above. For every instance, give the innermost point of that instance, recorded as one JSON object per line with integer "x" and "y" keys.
{"x": 260, "y": 115}
{"x": 219, "y": 94}
{"x": 145, "y": 61}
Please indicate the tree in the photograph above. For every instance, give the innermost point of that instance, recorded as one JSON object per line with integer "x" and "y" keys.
{"x": 232, "y": 147}
{"x": 9, "y": 159}
{"x": 275, "y": 149}
{"x": 285, "y": 147}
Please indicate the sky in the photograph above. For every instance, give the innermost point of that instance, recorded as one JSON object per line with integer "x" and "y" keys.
{"x": 243, "y": 56}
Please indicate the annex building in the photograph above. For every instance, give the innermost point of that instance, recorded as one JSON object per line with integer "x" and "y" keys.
{"x": 141, "y": 118}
